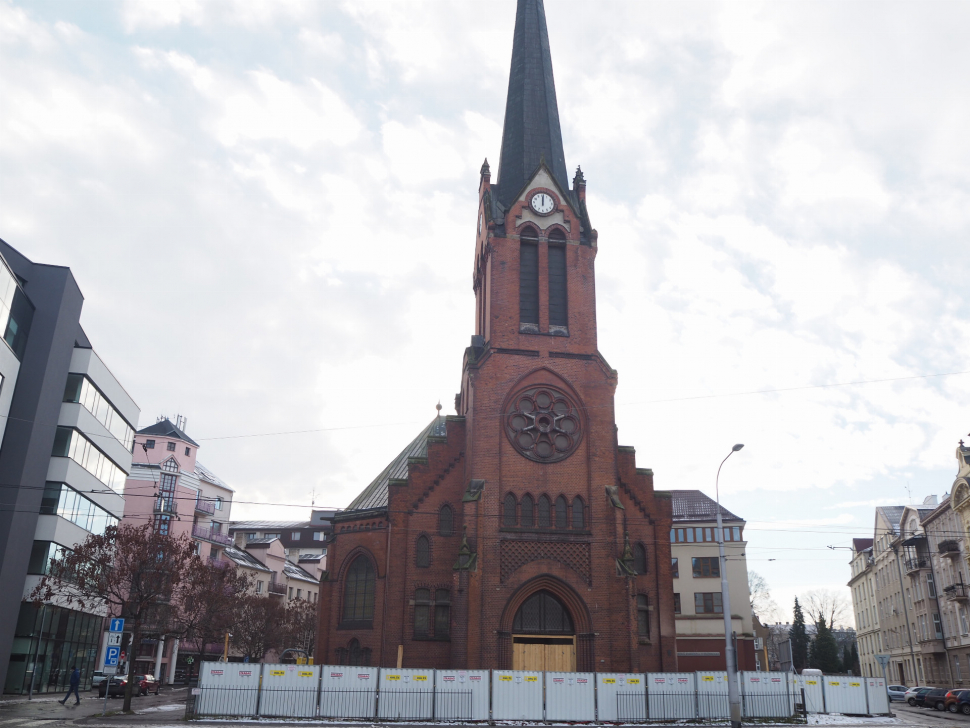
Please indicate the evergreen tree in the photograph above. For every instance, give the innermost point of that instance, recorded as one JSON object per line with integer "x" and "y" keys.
{"x": 825, "y": 650}
{"x": 799, "y": 639}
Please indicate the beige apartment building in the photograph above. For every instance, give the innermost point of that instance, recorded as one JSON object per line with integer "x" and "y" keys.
{"x": 910, "y": 590}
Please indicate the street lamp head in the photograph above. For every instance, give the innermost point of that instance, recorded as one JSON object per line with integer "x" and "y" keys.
{"x": 737, "y": 447}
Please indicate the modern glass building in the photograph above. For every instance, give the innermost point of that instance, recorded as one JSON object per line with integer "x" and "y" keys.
{"x": 67, "y": 426}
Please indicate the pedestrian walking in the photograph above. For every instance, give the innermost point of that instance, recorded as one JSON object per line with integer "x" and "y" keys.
{"x": 75, "y": 682}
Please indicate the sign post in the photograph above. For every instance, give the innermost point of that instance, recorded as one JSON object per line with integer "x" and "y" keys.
{"x": 112, "y": 652}
{"x": 883, "y": 660}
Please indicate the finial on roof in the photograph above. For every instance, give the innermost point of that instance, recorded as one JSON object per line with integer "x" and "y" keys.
{"x": 579, "y": 179}
{"x": 485, "y": 168}
{"x": 438, "y": 407}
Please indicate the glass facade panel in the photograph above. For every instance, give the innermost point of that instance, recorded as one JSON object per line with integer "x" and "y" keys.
{"x": 48, "y": 642}
{"x": 16, "y": 312}
{"x": 62, "y": 500}
{"x": 41, "y": 555}
{"x": 69, "y": 443}
{"x": 80, "y": 389}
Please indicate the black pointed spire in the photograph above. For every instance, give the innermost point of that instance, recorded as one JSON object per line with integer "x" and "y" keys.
{"x": 531, "y": 130}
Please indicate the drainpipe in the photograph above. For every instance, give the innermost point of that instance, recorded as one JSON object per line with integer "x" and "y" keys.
{"x": 902, "y": 598}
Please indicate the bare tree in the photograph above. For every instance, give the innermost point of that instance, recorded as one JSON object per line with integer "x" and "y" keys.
{"x": 205, "y": 604}
{"x": 259, "y": 625}
{"x": 300, "y": 630}
{"x": 129, "y": 570}
{"x": 761, "y": 602}
{"x": 828, "y": 604}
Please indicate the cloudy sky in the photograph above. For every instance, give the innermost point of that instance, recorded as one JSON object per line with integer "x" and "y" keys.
{"x": 270, "y": 208}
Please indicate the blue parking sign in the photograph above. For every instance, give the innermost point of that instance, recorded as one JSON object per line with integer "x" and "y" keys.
{"x": 111, "y": 655}
{"x": 117, "y": 625}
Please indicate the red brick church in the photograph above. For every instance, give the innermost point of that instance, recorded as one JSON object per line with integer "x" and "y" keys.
{"x": 517, "y": 534}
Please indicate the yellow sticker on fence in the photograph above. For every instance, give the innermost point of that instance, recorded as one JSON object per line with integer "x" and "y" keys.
{"x": 708, "y": 678}
{"x": 393, "y": 677}
{"x": 811, "y": 682}
{"x": 306, "y": 673}
{"x": 833, "y": 683}
{"x": 277, "y": 673}
{"x": 855, "y": 685}
{"x": 531, "y": 678}
{"x": 505, "y": 678}
{"x": 633, "y": 681}
{"x": 609, "y": 680}
{"x": 421, "y": 678}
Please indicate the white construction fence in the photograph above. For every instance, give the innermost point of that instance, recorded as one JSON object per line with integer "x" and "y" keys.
{"x": 232, "y": 689}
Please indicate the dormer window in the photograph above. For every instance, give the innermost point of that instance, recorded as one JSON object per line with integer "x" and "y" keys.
{"x": 170, "y": 466}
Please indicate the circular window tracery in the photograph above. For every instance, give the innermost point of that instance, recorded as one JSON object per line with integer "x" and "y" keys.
{"x": 543, "y": 424}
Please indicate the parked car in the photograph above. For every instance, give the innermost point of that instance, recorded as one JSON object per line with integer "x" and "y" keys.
{"x": 933, "y": 698}
{"x": 115, "y": 687}
{"x": 958, "y": 701}
{"x": 897, "y": 692}
{"x": 146, "y": 684}
{"x": 912, "y": 693}
{"x": 98, "y": 678}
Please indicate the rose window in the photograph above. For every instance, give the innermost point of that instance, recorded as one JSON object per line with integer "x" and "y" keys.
{"x": 543, "y": 424}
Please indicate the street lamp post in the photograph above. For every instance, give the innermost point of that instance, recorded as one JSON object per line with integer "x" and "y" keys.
{"x": 734, "y": 694}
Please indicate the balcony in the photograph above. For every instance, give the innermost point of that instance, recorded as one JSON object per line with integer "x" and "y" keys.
{"x": 166, "y": 504}
{"x": 276, "y": 587}
{"x": 205, "y": 506}
{"x": 916, "y": 564}
{"x": 208, "y": 534}
{"x": 219, "y": 563}
{"x": 950, "y": 548}
{"x": 956, "y": 593}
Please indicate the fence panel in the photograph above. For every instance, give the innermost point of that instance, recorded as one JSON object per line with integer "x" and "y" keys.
{"x": 671, "y": 696}
{"x": 227, "y": 688}
{"x": 406, "y": 694}
{"x": 621, "y": 697}
{"x": 571, "y": 696}
{"x": 348, "y": 692}
{"x": 766, "y": 695}
{"x": 878, "y": 697}
{"x": 516, "y": 695}
{"x": 451, "y": 687}
{"x": 712, "y": 695}
{"x": 814, "y": 694}
{"x": 289, "y": 691}
{"x": 846, "y": 695}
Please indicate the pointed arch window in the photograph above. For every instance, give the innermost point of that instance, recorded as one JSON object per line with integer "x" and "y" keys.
{"x": 528, "y": 515}
{"x": 508, "y": 511}
{"x": 422, "y": 612}
{"x": 579, "y": 513}
{"x": 639, "y": 558}
{"x": 562, "y": 517}
{"x": 558, "y": 313}
{"x": 422, "y": 553}
{"x": 353, "y": 654}
{"x": 545, "y": 515}
{"x": 529, "y": 276}
{"x": 359, "y": 592}
{"x": 170, "y": 466}
{"x": 542, "y": 613}
{"x": 446, "y": 521}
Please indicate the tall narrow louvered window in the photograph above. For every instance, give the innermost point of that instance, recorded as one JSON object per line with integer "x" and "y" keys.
{"x": 529, "y": 277}
{"x": 422, "y": 553}
{"x": 562, "y": 519}
{"x": 508, "y": 510}
{"x": 528, "y": 521}
{"x": 544, "y": 509}
{"x": 558, "y": 313}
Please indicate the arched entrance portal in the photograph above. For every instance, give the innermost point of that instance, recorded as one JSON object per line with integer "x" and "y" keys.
{"x": 543, "y": 635}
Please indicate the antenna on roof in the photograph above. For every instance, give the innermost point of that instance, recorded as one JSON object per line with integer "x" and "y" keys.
{"x": 910, "y": 493}
{"x": 181, "y": 421}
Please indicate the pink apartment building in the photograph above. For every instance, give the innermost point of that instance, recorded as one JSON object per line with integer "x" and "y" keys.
{"x": 169, "y": 488}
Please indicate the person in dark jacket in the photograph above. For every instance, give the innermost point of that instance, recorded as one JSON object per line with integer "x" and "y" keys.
{"x": 75, "y": 682}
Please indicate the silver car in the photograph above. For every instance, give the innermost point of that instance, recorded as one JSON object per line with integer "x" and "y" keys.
{"x": 897, "y": 692}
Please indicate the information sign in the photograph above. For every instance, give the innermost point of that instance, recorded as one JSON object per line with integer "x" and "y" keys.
{"x": 117, "y": 625}
{"x": 111, "y": 656}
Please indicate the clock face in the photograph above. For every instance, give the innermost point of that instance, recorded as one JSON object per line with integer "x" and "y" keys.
{"x": 542, "y": 203}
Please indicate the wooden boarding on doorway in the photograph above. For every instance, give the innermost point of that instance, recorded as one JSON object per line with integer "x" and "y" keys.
{"x": 543, "y": 654}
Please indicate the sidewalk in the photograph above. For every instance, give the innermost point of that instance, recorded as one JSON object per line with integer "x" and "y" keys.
{"x": 169, "y": 706}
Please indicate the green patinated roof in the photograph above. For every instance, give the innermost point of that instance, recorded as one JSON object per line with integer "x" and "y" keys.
{"x": 375, "y": 494}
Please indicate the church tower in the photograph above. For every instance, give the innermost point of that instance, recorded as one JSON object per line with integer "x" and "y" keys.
{"x": 516, "y": 534}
